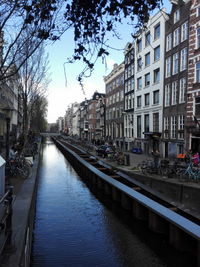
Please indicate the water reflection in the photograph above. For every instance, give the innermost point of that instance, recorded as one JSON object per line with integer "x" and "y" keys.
{"x": 74, "y": 228}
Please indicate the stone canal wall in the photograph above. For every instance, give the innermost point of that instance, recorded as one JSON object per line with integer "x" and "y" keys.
{"x": 185, "y": 195}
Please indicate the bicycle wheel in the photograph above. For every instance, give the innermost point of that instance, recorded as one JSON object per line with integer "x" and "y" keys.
{"x": 183, "y": 175}
{"x": 24, "y": 172}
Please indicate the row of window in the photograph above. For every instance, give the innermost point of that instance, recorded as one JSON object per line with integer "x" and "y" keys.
{"x": 179, "y": 35}
{"x": 114, "y": 113}
{"x": 148, "y": 37}
{"x": 129, "y": 101}
{"x": 172, "y": 63}
{"x": 147, "y": 58}
{"x": 117, "y": 97}
{"x": 154, "y": 128}
{"x": 172, "y": 96}
{"x": 155, "y": 99}
{"x": 116, "y": 83}
{"x": 156, "y": 79}
{"x": 171, "y": 127}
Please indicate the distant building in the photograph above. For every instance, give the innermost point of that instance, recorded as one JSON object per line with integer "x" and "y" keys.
{"x": 114, "y": 83}
{"x": 60, "y": 124}
{"x": 129, "y": 93}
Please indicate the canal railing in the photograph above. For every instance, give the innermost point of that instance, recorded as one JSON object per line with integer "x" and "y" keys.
{"x": 183, "y": 234}
{"x": 6, "y": 219}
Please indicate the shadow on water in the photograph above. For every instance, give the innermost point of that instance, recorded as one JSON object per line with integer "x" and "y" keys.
{"x": 157, "y": 242}
{"x": 128, "y": 242}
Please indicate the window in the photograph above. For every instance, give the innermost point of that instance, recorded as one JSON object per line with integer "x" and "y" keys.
{"x": 169, "y": 42}
{"x": 139, "y": 64}
{"x": 181, "y": 126}
{"x": 176, "y": 37}
{"x": 184, "y": 31}
{"x": 156, "y": 97}
{"x": 176, "y": 16}
{"x": 147, "y": 39}
{"x": 173, "y": 127}
{"x": 168, "y": 67}
{"x": 183, "y": 60}
{"x": 139, "y": 83}
{"x": 166, "y": 127}
{"x": 174, "y": 93}
{"x": 198, "y": 72}
{"x": 139, "y": 101}
{"x": 157, "y": 53}
{"x": 147, "y": 79}
{"x": 139, "y": 45}
{"x": 167, "y": 95}
{"x": 182, "y": 90}
{"x": 139, "y": 128}
{"x": 198, "y": 11}
{"x": 197, "y": 106}
{"x": 146, "y": 123}
{"x": 157, "y": 32}
{"x": 147, "y": 59}
{"x": 198, "y": 37}
{"x": 146, "y": 99}
{"x": 175, "y": 63}
{"x": 156, "y": 122}
{"x": 156, "y": 75}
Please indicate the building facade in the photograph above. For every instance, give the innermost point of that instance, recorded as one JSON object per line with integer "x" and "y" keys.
{"x": 176, "y": 79}
{"x": 149, "y": 79}
{"x": 114, "y": 84}
{"x": 129, "y": 91}
{"x": 193, "y": 93}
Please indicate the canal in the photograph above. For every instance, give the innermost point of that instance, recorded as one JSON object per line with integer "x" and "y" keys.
{"x": 77, "y": 226}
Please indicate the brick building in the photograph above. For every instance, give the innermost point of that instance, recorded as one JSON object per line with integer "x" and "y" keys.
{"x": 193, "y": 94}
{"x": 175, "y": 81}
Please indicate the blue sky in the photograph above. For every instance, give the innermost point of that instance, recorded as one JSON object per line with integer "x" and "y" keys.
{"x": 62, "y": 94}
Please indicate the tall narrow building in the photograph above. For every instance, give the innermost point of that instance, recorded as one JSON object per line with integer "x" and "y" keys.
{"x": 149, "y": 77}
{"x": 193, "y": 93}
{"x": 175, "y": 79}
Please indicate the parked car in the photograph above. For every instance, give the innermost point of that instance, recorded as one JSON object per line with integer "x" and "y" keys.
{"x": 104, "y": 150}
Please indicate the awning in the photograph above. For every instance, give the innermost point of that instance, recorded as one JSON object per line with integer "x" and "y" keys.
{"x": 153, "y": 134}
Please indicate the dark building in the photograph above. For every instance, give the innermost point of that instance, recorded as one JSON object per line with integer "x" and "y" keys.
{"x": 176, "y": 79}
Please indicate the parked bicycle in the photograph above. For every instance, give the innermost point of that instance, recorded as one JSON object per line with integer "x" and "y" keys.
{"x": 191, "y": 173}
{"x": 18, "y": 167}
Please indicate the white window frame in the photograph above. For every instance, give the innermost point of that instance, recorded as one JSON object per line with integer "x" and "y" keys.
{"x": 174, "y": 93}
{"x": 175, "y": 63}
{"x": 176, "y": 37}
{"x": 181, "y": 123}
{"x": 169, "y": 42}
{"x": 183, "y": 59}
{"x": 177, "y": 15}
{"x": 184, "y": 31}
{"x": 167, "y": 95}
{"x": 182, "y": 90}
{"x": 197, "y": 72}
{"x": 168, "y": 67}
{"x": 173, "y": 127}
{"x": 198, "y": 37}
{"x": 166, "y": 127}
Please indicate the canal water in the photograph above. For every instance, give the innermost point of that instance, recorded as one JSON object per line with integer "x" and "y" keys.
{"x": 76, "y": 226}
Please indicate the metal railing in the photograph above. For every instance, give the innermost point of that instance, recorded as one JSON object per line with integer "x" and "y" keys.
{"x": 6, "y": 220}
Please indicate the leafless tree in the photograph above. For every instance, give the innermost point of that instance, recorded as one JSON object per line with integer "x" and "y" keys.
{"x": 20, "y": 35}
{"x": 34, "y": 80}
